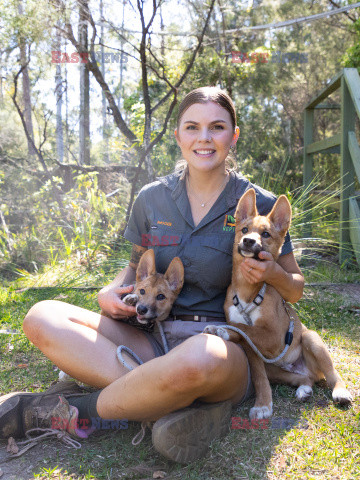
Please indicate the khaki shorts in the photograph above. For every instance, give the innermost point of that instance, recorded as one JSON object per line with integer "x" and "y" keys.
{"x": 176, "y": 332}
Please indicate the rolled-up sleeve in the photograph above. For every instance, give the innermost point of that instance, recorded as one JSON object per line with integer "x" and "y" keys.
{"x": 138, "y": 224}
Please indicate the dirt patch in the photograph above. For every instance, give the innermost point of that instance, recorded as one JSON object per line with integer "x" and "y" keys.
{"x": 23, "y": 468}
{"x": 349, "y": 292}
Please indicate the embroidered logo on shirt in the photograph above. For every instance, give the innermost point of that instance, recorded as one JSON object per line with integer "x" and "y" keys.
{"x": 229, "y": 223}
{"x": 168, "y": 224}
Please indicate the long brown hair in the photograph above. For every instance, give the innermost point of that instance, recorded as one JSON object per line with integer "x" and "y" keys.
{"x": 205, "y": 95}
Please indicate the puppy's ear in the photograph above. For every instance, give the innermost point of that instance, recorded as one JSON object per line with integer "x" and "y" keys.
{"x": 146, "y": 265}
{"x": 174, "y": 275}
{"x": 246, "y": 208}
{"x": 280, "y": 214}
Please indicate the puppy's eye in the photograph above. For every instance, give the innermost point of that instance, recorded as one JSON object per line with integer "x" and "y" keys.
{"x": 142, "y": 291}
{"x": 265, "y": 235}
{"x": 245, "y": 230}
{"x": 160, "y": 297}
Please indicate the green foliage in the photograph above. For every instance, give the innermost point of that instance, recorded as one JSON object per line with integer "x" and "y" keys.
{"x": 81, "y": 232}
{"x": 269, "y": 99}
{"x": 351, "y": 59}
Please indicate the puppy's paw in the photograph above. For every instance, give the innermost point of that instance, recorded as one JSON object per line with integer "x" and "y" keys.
{"x": 303, "y": 393}
{"x": 265, "y": 411}
{"x": 211, "y": 329}
{"x": 218, "y": 331}
{"x": 131, "y": 299}
{"x": 342, "y": 396}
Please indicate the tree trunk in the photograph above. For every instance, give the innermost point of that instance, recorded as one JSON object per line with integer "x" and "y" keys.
{"x": 1, "y": 83}
{"x": 105, "y": 128}
{"x": 59, "y": 102}
{"x": 67, "y": 143}
{"x": 26, "y": 86}
{"x": 84, "y": 133}
{"x": 122, "y": 57}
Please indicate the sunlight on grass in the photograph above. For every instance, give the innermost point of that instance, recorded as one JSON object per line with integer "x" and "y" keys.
{"x": 321, "y": 442}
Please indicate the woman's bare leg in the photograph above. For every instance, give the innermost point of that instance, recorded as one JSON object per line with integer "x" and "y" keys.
{"x": 83, "y": 343}
{"x": 203, "y": 367}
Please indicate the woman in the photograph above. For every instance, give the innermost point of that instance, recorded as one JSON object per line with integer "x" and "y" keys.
{"x": 194, "y": 205}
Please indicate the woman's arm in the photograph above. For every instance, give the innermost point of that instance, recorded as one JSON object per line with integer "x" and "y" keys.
{"x": 109, "y": 297}
{"x": 284, "y": 275}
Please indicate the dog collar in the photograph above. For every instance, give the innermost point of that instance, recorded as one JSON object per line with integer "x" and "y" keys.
{"x": 245, "y": 312}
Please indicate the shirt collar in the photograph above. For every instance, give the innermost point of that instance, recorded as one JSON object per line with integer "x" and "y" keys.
{"x": 174, "y": 183}
{"x": 238, "y": 185}
{"x": 235, "y": 188}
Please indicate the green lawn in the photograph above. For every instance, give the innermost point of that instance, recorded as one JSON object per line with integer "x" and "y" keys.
{"x": 315, "y": 440}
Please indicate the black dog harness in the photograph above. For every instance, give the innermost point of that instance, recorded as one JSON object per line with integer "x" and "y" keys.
{"x": 245, "y": 311}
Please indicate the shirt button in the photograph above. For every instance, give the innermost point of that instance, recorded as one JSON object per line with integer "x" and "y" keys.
{"x": 186, "y": 263}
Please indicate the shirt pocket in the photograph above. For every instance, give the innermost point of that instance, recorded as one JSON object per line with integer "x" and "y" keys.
{"x": 166, "y": 245}
{"x": 216, "y": 261}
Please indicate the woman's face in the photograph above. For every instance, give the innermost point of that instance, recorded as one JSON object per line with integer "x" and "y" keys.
{"x": 205, "y": 136}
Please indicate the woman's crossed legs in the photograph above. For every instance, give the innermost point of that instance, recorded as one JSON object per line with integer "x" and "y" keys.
{"x": 84, "y": 343}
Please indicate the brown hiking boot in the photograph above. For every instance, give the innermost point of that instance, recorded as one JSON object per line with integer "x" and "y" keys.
{"x": 185, "y": 435}
{"x": 20, "y": 412}
{"x": 69, "y": 388}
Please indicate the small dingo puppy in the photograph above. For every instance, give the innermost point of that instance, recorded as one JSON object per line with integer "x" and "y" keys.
{"x": 307, "y": 359}
{"x": 155, "y": 293}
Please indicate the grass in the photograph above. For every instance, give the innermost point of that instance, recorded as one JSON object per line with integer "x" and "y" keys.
{"x": 316, "y": 440}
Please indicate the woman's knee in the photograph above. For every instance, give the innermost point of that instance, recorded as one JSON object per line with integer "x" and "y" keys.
{"x": 196, "y": 363}
{"x": 35, "y": 321}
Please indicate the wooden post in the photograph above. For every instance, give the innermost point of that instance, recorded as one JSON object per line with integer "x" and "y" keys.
{"x": 308, "y": 169}
{"x": 347, "y": 173}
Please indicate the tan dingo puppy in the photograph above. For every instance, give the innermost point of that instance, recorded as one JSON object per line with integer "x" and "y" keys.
{"x": 155, "y": 293}
{"x": 307, "y": 359}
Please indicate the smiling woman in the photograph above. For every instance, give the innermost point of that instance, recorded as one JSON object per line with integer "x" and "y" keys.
{"x": 214, "y": 97}
{"x": 205, "y": 134}
{"x": 188, "y": 214}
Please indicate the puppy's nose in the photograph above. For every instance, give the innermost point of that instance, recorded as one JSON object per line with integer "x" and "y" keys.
{"x": 248, "y": 242}
{"x": 141, "y": 309}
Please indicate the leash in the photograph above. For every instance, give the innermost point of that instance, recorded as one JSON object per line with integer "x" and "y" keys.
{"x": 132, "y": 354}
{"x": 288, "y": 341}
{"x": 138, "y": 438}
{"x": 245, "y": 313}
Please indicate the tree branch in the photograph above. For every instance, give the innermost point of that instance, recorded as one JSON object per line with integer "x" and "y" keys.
{"x": 192, "y": 60}
{"x": 353, "y": 19}
{"x": 93, "y": 67}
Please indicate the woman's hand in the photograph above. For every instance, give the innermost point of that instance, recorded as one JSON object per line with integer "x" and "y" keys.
{"x": 110, "y": 302}
{"x": 256, "y": 271}
{"x": 284, "y": 275}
